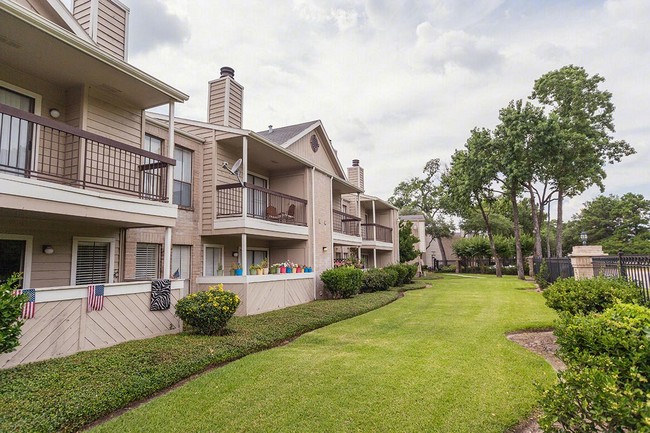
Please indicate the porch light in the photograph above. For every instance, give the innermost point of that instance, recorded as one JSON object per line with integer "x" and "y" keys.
{"x": 324, "y": 249}
{"x": 54, "y": 113}
{"x": 583, "y": 237}
{"x": 235, "y": 254}
{"x": 48, "y": 249}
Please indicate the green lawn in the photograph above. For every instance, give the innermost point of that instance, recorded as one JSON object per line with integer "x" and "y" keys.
{"x": 435, "y": 361}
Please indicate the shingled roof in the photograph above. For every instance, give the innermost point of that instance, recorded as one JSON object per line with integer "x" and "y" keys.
{"x": 280, "y": 136}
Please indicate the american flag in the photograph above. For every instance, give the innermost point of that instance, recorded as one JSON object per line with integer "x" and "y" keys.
{"x": 29, "y": 306}
{"x": 95, "y": 297}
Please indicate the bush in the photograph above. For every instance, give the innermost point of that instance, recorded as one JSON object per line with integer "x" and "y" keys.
{"x": 411, "y": 271}
{"x": 393, "y": 276}
{"x": 402, "y": 273}
{"x": 590, "y": 295}
{"x": 208, "y": 312}
{"x": 608, "y": 366}
{"x": 10, "y": 309}
{"x": 375, "y": 280}
{"x": 343, "y": 282}
{"x": 448, "y": 268}
{"x": 541, "y": 277}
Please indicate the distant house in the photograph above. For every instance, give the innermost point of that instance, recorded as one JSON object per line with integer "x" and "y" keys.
{"x": 430, "y": 249}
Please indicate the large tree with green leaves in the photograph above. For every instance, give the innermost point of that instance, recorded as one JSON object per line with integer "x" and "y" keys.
{"x": 421, "y": 195}
{"x": 584, "y": 141}
{"x": 407, "y": 241}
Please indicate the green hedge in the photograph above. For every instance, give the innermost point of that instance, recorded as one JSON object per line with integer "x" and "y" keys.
{"x": 208, "y": 311}
{"x": 375, "y": 280}
{"x": 590, "y": 295}
{"x": 10, "y": 308}
{"x": 343, "y": 282}
{"x": 64, "y": 394}
{"x": 606, "y": 384}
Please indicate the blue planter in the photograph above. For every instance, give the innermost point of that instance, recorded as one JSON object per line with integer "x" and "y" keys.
{"x": 238, "y": 272}
{"x": 289, "y": 270}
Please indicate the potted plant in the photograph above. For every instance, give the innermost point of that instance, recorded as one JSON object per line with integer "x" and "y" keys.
{"x": 233, "y": 266}
{"x": 283, "y": 268}
{"x": 220, "y": 271}
{"x": 264, "y": 265}
{"x": 238, "y": 270}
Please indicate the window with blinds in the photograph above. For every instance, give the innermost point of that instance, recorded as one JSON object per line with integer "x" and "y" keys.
{"x": 147, "y": 259}
{"x": 181, "y": 255}
{"x": 92, "y": 262}
{"x": 213, "y": 260}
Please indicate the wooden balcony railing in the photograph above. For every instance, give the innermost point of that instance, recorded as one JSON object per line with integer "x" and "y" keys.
{"x": 345, "y": 223}
{"x": 41, "y": 148}
{"x": 384, "y": 234}
{"x": 262, "y": 203}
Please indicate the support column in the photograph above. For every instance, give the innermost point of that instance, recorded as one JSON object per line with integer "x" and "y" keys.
{"x": 244, "y": 194}
{"x": 581, "y": 260}
{"x": 374, "y": 257}
{"x": 243, "y": 256}
{"x": 167, "y": 256}
{"x": 374, "y": 222}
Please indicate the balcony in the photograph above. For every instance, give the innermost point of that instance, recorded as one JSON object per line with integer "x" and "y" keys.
{"x": 373, "y": 234}
{"x": 346, "y": 228}
{"x": 49, "y": 161}
{"x": 266, "y": 209}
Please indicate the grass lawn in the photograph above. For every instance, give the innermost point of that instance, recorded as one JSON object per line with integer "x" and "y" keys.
{"x": 435, "y": 361}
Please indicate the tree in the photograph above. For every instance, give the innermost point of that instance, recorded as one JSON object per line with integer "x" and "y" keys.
{"x": 467, "y": 184}
{"x": 616, "y": 223}
{"x": 10, "y": 309}
{"x": 584, "y": 143}
{"x": 406, "y": 241}
{"x": 421, "y": 195}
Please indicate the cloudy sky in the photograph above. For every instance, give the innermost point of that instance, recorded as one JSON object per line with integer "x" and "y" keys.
{"x": 399, "y": 82}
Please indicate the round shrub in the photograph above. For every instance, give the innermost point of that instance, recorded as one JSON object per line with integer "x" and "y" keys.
{"x": 208, "y": 311}
{"x": 343, "y": 282}
{"x": 590, "y": 295}
{"x": 411, "y": 271}
{"x": 393, "y": 276}
{"x": 402, "y": 273}
{"x": 375, "y": 280}
{"x": 606, "y": 384}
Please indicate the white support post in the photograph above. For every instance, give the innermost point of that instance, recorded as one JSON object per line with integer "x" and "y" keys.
{"x": 243, "y": 256}
{"x": 374, "y": 256}
{"x": 170, "y": 153}
{"x": 167, "y": 256}
{"x": 244, "y": 194}
{"x": 374, "y": 222}
{"x": 332, "y": 254}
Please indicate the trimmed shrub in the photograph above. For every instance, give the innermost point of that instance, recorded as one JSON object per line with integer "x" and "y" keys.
{"x": 375, "y": 280}
{"x": 605, "y": 386}
{"x": 208, "y": 312}
{"x": 590, "y": 295}
{"x": 448, "y": 268}
{"x": 10, "y": 309}
{"x": 402, "y": 272}
{"x": 343, "y": 282}
{"x": 541, "y": 277}
{"x": 412, "y": 270}
{"x": 393, "y": 276}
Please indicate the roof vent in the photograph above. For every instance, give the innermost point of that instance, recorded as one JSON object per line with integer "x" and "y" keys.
{"x": 270, "y": 128}
{"x": 227, "y": 71}
{"x": 355, "y": 163}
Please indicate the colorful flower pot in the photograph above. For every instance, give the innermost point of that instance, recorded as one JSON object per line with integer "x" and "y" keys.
{"x": 238, "y": 272}
{"x": 289, "y": 270}
{"x": 283, "y": 270}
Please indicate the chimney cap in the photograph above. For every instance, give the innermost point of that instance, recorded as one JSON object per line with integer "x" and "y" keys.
{"x": 355, "y": 163}
{"x": 270, "y": 128}
{"x": 227, "y": 71}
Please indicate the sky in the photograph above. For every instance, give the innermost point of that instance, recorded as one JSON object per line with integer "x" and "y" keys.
{"x": 397, "y": 83}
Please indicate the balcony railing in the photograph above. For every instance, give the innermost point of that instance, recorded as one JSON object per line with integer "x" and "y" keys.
{"x": 37, "y": 147}
{"x": 263, "y": 203}
{"x": 345, "y": 223}
{"x": 384, "y": 234}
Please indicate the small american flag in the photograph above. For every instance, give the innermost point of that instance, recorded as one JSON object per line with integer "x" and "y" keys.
{"x": 95, "y": 297}
{"x": 29, "y": 306}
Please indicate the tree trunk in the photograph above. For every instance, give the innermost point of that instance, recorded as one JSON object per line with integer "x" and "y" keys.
{"x": 515, "y": 222}
{"x": 548, "y": 232}
{"x": 558, "y": 238}
{"x": 443, "y": 254}
{"x": 537, "y": 226}
{"x": 493, "y": 249}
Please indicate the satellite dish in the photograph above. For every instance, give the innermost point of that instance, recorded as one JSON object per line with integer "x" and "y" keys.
{"x": 236, "y": 165}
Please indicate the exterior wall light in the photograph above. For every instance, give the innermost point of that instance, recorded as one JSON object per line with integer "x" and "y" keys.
{"x": 48, "y": 249}
{"x": 583, "y": 237}
{"x": 324, "y": 249}
{"x": 54, "y": 113}
{"x": 235, "y": 254}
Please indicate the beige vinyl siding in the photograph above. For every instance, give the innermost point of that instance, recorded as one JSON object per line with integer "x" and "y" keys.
{"x": 81, "y": 12}
{"x": 235, "y": 102}
{"x": 119, "y": 122}
{"x": 216, "y": 98}
{"x": 111, "y": 28}
{"x": 320, "y": 158}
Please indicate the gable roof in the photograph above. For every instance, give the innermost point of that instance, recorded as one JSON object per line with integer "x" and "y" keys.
{"x": 288, "y": 134}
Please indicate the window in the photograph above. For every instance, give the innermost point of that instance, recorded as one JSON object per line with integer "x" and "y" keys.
{"x": 183, "y": 177}
{"x": 181, "y": 261}
{"x": 15, "y": 134}
{"x": 15, "y": 256}
{"x": 255, "y": 257}
{"x": 151, "y": 173}
{"x": 213, "y": 260}
{"x": 92, "y": 260}
{"x": 153, "y": 144}
{"x": 147, "y": 259}
{"x": 257, "y": 199}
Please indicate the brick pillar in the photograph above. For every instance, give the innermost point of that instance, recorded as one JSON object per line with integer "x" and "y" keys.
{"x": 581, "y": 260}
{"x": 531, "y": 266}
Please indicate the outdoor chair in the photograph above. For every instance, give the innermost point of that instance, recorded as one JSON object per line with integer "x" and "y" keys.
{"x": 272, "y": 213}
{"x": 290, "y": 216}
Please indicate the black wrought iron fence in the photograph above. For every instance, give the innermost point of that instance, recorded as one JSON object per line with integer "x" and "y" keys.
{"x": 558, "y": 267}
{"x": 635, "y": 268}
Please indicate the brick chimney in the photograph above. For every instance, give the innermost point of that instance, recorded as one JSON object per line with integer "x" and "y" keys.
{"x": 355, "y": 174}
{"x": 106, "y": 22}
{"x": 225, "y": 100}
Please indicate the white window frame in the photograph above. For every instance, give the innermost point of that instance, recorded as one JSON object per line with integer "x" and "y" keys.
{"x": 111, "y": 256}
{"x": 205, "y": 254}
{"x": 27, "y": 264}
{"x": 268, "y": 253}
{"x": 158, "y": 248}
{"x": 38, "y": 104}
{"x": 190, "y": 247}
{"x": 192, "y": 179}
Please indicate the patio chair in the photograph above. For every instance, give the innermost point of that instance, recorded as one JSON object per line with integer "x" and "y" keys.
{"x": 290, "y": 216}
{"x": 272, "y": 213}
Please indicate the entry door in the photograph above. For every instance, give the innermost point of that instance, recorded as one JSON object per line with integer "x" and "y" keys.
{"x": 257, "y": 199}
{"x": 15, "y": 134}
{"x": 12, "y": 258}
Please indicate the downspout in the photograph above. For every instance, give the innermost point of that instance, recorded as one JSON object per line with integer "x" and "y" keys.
{"x": 313, "y": 223}
{"x": 244, "y": 207}
{"x": 167, "y": 257}
{"x": 374, "y": 233}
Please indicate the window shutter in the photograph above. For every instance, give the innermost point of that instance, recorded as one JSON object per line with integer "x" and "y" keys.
{"x": 146, "y": 261}
{"x": 92, "y": 262}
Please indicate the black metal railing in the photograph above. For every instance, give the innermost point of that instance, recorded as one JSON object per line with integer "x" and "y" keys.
{"x": 635, "y": 268}
{"x": 41, "y": 148}
{"x": 345, "y": 223}
{"x": 262, "y": 203}
{"x": 383, "y": 233}
{"x": 558, "y": 267}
